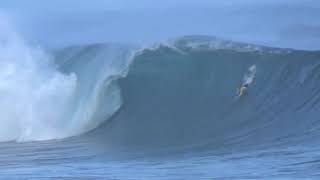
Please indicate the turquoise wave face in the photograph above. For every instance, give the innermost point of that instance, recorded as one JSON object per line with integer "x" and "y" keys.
{"x": 178, "y": 96}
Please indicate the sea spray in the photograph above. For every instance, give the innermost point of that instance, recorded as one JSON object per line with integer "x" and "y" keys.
{"x": 34, "y": 96}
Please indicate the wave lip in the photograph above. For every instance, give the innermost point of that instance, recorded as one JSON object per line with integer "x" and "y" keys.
{"x": 198, "y": 42}
{"x": 97, "y": 66}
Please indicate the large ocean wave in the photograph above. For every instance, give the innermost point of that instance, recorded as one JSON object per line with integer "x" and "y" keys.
{"x": 179, "y": 94}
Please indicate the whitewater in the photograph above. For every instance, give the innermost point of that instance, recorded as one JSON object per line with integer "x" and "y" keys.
{"x": 166, "y": 112}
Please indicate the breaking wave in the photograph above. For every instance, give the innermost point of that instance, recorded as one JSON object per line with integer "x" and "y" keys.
{"x": 173, "y": 95}
{"x": 45, "y": 97}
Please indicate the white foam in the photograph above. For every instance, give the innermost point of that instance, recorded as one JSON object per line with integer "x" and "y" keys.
{"x": 250, "y": 75}
{"x": 34, "y": 96}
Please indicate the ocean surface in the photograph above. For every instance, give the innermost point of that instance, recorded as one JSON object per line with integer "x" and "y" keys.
{"x": 170, "y": 111}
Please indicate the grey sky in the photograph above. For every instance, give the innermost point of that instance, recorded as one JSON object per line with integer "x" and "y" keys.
{"x": 284, "y": 23}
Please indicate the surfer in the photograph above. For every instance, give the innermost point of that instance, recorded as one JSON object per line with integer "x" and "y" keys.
{"x": 243, "y": 89}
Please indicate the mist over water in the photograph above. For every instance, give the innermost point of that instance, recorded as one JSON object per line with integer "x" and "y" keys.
{"x": 34, "y": 96}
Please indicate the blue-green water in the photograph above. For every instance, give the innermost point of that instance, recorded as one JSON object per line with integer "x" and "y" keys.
{"x": 172, "y": 112}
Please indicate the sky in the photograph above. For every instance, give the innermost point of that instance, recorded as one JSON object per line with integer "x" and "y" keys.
{"x": 280, "y": 23}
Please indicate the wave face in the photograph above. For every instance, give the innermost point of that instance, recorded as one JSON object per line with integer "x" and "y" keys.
{"x": 185, "y": 95}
